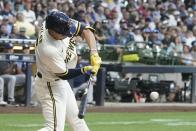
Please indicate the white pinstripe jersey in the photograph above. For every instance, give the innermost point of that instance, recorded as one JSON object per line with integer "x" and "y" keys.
{"x": 55, "y": 56}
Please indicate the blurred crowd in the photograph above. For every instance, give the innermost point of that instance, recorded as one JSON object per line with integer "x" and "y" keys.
{"x": 168, "y": 25}
{"x": 165, "y": 24}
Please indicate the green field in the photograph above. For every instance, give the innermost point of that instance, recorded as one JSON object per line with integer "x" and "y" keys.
{"x": 178, "y": 121}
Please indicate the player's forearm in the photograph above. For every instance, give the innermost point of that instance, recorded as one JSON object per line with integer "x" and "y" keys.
{"x": 90, "y": 39}
{"x": 71, "y": 73}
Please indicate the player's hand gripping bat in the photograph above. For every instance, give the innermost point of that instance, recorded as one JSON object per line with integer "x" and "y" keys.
{"x": 83, "y": 104}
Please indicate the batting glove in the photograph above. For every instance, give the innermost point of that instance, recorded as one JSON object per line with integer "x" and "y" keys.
{"x": 95, "y": 62}
{"x": 87, "y": 69}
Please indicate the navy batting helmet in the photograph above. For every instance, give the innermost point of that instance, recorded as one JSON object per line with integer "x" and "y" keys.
{"x": 60, "y": 23}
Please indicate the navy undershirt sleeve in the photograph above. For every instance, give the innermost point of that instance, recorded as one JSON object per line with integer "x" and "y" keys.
{"x": 71, "y": 74}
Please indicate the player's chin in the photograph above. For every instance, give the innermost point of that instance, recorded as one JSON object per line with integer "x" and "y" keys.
{"x": 60, "y": 37}
{"x": 57, "y": 36}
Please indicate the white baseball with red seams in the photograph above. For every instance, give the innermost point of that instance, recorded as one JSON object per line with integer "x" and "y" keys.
{"x": 154, "y": 96}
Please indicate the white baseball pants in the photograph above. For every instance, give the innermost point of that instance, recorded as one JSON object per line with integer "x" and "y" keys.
{"x": 58, "y": 105}
{"x": 1, "y": 89}
{"x": 10, "y": 81}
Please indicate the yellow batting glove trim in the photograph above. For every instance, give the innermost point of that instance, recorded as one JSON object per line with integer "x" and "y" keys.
{"x": 95, "y": 69}
{"x": 85, "y": 69}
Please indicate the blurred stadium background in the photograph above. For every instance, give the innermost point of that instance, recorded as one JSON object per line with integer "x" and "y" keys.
{"x": 145, "y": 45}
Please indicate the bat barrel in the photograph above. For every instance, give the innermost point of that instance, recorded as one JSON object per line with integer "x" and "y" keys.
{"x": 83, "y": 104}
{"x": 82, "y": 108}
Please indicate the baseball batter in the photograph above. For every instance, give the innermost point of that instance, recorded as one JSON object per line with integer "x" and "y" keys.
{"x": 56, "y": 60}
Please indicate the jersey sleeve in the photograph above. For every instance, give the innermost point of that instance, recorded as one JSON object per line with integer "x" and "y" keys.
{"x": 80, "y": 27}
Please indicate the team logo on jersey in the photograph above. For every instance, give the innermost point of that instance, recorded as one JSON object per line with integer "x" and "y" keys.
{"x": 70, "y": 50}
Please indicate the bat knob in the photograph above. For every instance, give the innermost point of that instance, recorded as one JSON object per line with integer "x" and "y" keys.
{"x": 80, "y": 116}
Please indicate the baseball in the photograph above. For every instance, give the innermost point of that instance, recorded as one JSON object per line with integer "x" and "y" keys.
{"x": 154, "y": 95}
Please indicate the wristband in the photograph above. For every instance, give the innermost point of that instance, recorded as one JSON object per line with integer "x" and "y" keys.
{"x": 93, "y": 49}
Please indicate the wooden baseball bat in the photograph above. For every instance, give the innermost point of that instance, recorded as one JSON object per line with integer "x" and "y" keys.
{"x": 83, "y": 104}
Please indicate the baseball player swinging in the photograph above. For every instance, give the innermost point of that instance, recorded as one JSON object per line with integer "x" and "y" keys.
{"x": 56, "y": 59}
